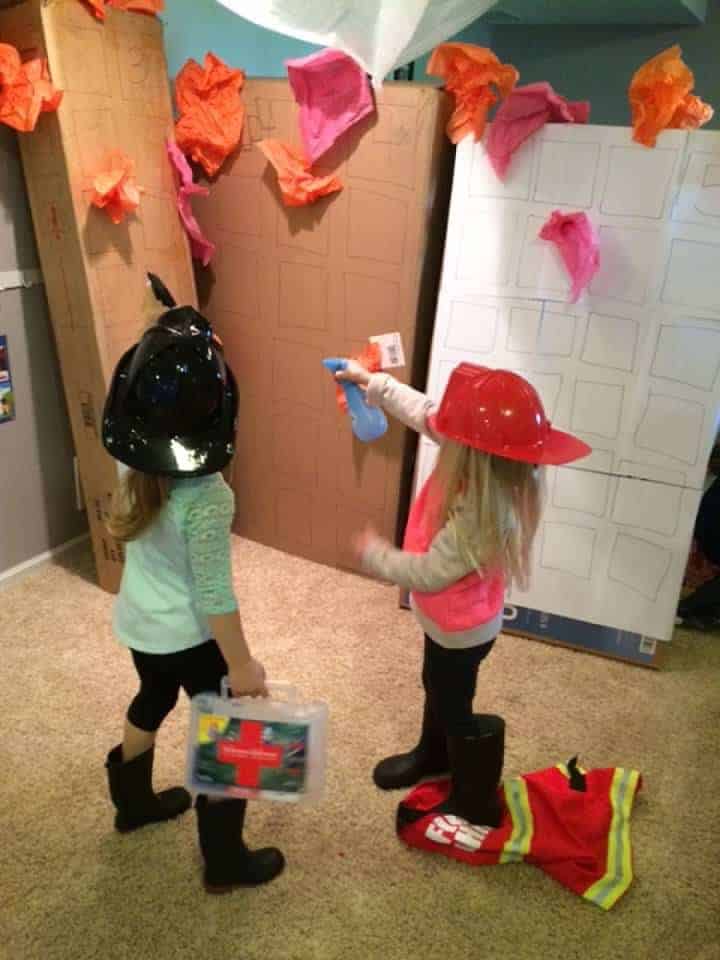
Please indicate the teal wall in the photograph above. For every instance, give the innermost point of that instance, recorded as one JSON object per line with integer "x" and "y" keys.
{"x": 597, "y": 63}
{"x": 192, "y": 27}
{"x": 582, "y": 63}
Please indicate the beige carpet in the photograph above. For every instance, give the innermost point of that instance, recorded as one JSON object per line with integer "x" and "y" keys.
{"x": 72, "y": 888}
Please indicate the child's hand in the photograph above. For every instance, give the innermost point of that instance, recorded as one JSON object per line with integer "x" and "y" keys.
{"x": 365, "y": 541}
{"x": 355, "y": 373}
{"x": 248, "y": 680}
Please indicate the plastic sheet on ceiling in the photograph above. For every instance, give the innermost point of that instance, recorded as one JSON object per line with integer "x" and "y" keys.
{"x": 380, "y": 34}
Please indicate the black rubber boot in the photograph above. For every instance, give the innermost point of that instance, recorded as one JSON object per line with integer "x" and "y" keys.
{"x": 228, "y": 862}
{"x": 476, "y": 763}
{"x": 132, "y": 793}
{"x": 429, "y": 758}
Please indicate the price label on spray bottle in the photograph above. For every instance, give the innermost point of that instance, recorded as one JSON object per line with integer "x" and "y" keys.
{"x": 392, "y": 354}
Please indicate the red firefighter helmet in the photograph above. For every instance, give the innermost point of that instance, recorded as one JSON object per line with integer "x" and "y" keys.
{"x": 499, "y": 412}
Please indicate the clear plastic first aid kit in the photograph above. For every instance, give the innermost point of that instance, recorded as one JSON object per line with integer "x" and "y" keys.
{"x": 270, "y": 748}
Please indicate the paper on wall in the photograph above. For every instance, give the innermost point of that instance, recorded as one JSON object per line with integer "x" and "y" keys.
{"x": 333, "y": 94}
{"x": 202, "y": 249}
{"x": 114, "y": 188}
{"x": 211, "y": 111}
{"x": 26, "y": 90}
{"x": 525, "y": 111}
{"x": 661, "y": 98}
{"x": 299, "y": 187}
{"x": 477, "y": 79}
{"x": 379, "y": 34}
{"x": 577, "y": 243}
{"x": 150, "y": 7}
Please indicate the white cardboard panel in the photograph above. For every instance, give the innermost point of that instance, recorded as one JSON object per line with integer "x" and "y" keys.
{"x": 633, "y": 368}
{"x": 643, "y": 387}
{"x": 612, "y": 551}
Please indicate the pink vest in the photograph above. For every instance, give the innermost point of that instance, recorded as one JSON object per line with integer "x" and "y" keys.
{"x": 464, "y": 605}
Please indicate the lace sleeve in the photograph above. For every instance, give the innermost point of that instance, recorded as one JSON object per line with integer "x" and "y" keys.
{"x": 207, "y": 522}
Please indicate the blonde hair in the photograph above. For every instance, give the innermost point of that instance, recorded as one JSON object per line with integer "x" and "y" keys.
{"x": 503, "y": 496}
{"x": 135, "y": 504}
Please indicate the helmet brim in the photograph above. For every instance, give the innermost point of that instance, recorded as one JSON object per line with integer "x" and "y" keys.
{"x": 556, "y": 448}
{"x": 125, "y": 438}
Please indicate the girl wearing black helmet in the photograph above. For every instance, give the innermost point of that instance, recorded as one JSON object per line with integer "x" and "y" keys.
{"x": 170, "y": 419}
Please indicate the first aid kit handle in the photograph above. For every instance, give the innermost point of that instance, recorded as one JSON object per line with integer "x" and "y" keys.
{"x": 277, "y": 691}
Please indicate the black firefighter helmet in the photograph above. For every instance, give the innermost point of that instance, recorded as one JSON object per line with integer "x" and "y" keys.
{"x": 172, "y": 406}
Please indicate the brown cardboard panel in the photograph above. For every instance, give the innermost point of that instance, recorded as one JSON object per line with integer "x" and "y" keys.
{"x": 369, "y": 303}
{"x": 293, "y": 519}
{"x": 349, "y": 521}
{"x": 295, "y": 447}
{"x": 304, "y": 297}
{"x": 305, "y": 229}
{"x": 238, "y": 285}
{"x": 253, "y": 365}
{"x": 362, "y": 469}
{"x": 255, "y": 501}
{"x": 292, "y": 285}
{"x": 295, "y": 373}
{"x": 392, "y": 149}
{"x": 324, "y": 547}
{"x": 116, "y": 96}
{"x": 377, "y": 226}
{"x": 254, "y": 449}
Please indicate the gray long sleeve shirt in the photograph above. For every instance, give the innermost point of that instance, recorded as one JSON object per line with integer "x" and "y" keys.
{"x": 444, "y": 563}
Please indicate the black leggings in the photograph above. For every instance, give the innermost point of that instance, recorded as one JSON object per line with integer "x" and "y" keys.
{"x": 197, "y": 670}
{"x": 450, "y": 679}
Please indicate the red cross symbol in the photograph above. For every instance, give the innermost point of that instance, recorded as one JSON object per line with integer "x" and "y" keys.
{"x": 248, "y": 754}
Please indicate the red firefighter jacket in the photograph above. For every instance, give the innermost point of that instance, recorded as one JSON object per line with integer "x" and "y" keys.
{"x": 572, "y": 824}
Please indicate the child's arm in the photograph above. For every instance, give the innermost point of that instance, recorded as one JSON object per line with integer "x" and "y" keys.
{"x": 246, "y": 676}
{"x": 409, "y": 406}
{"x": 207, "y": 528}
{"x": 442, "y": 565}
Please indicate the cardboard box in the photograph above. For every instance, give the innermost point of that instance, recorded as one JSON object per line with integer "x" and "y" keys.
{"x": 116, "y": 96}
{"x": 566, "y": 632}
{"x": 592, "y": 638}
{"x": 289, "y": 286}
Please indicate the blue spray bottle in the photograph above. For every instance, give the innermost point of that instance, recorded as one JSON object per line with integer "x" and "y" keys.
{"x": 368, "y": 423}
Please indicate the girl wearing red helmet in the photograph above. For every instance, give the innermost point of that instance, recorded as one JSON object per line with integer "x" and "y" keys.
{"x": 469, "y": 535}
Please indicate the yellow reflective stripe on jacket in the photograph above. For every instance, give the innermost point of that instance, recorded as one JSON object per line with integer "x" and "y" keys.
{"x": 563, "y": 768}
{"x": 518, "y": 846}
{"x": 618, "y": 872}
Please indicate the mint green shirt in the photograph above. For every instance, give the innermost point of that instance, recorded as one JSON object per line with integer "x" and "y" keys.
{"x": 179, "y": 571}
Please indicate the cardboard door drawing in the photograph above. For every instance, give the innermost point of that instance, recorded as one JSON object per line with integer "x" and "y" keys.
{"x": 7, "y": 402}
